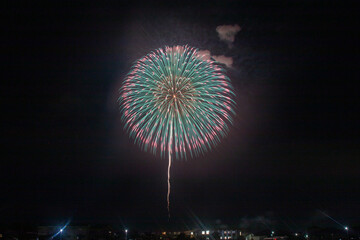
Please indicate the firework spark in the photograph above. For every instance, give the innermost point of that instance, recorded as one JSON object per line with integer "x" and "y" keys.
{"x": 176, "y": 101}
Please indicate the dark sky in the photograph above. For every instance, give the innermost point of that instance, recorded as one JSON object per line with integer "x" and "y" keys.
{"x": 293, "y": 150}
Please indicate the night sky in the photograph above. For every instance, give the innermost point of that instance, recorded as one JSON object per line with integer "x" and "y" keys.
{"x": 292, "y": 151}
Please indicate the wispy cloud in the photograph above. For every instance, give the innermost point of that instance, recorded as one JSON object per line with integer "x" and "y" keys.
{"x": 227, "y": 33}
{"x": 228, "y": 61}
{"x": 206, "y": 55}
{"x": 259, "y": 222}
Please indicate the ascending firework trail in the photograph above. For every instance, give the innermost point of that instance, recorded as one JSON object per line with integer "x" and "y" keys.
{"x": 176, "y": 101}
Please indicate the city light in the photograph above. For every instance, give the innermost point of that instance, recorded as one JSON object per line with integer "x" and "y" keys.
{"x": 347, "y": 232}
{"x": 207, "y": 232}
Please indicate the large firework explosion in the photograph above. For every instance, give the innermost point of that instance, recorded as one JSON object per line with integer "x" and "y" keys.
{"x": 177, "y": 102}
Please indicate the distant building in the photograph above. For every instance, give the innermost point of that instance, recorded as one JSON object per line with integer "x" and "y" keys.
{"x": 68, "y": 233}
{"x": 86, "y": 232}
{"x": 230, "y": 234}
{"x": 217, "y": 234}
{"x": 254, "y": 237}
{"x": 103, "y": 232}
{"x": 277, "y": 238}
{"x": 18, "y": 231}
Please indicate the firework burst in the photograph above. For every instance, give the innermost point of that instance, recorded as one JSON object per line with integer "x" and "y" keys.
{"x": 176, "y": 102}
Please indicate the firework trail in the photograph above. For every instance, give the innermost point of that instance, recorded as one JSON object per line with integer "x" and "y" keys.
{"x": 168, "y": 182}
{"x": 176, "y": 101}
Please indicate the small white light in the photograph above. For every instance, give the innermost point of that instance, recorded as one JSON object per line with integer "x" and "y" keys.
{"x": 207, "y": 232}
{"x": 346, "y": 228}
{"x": 61, "y": 230}
{"x": 203, "y": 232}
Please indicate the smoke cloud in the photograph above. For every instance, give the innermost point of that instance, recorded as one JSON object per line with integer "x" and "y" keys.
{"x": 227, "y": 33}
{"x": 228, "y": 61}
{"x": 257, "y": 223}
{"x": 206, "y": 55}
